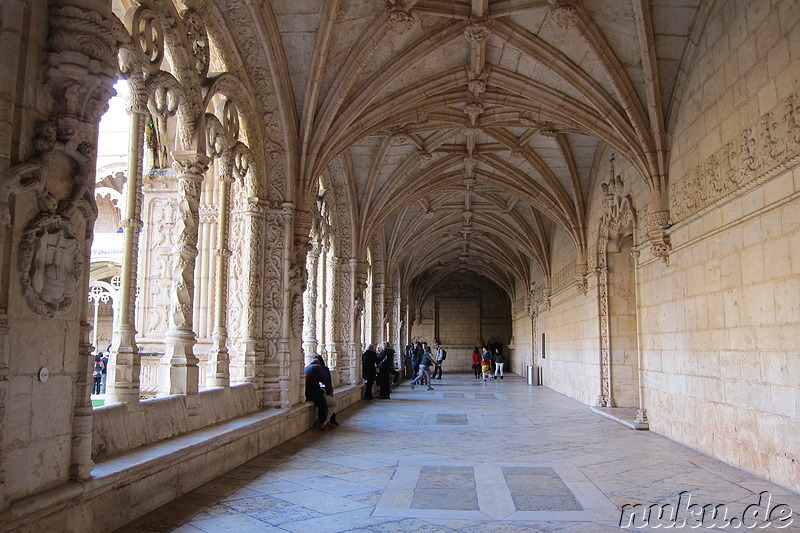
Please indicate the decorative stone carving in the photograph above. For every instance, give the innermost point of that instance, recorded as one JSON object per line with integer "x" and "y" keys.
{"x": 618, "y": 217}
{"x": 399, "y": 136}
{"x": 50, "y": 264}
{"x": 477, "y": 30}
{"x": 198, "y": 39}
{"x": 541, "y": 127}
{"x": 476, "y": 87}
{"x": 81, "y": 67}
{"x": 399, "y": 20}
{"x": 658, "y": 224}
{"x": 564, "y": 277}
{"x": 473, "y": 110}
{"x": 564, "y": 13}
{"x": 758, "y": 153}
{"x": 146, "y": 49}
{"x": 273, "y": 276}
{"x": 617, "y": 222}
{"x": 297, "y": 316}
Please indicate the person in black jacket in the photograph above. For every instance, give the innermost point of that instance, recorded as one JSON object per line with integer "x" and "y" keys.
{"x": 416, "y": 357}
{"x": 369, "y": 362}
{"x": 385, "y": 367}
{"x": 316, "y": 375}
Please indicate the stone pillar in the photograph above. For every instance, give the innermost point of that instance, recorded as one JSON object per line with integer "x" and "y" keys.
{"x": 310, "y": 304}
{"x": 179, "y": 372}
{"x": 532, "y": 312}
{"x": 79, "y": 74}
{"x": 274, "y": 287}
{"x": 124, "y": 363}
{"x": 205, "y": 265}
{"x": 322, "y": 301}
{"x": 252, "y": 352}
{"x": 288, "y": 373}
{"x": 395, "y": 326}
{"x": 218, "y": 359}
{"x": 358, "y": 285}
{"x": 331, "y": 308}
{"x": 82, "y": 465}
{"x": 380, "y": 325}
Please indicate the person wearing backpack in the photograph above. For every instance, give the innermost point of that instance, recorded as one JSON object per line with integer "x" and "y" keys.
{"x": 97, "y": 374}
{"x": 441, "y": 355}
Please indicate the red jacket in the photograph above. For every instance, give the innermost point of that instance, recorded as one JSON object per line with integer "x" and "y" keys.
{"x": 476, "y": 358}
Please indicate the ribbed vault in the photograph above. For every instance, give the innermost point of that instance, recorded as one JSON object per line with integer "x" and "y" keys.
{"x": 466, "y": 131}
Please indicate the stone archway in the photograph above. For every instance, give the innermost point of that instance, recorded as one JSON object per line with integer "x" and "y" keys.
{"x": 619, "y": 357}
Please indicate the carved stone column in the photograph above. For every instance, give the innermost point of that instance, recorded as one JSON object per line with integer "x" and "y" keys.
{"x": 532, "y": 312}
{"x": 218, "y": 359}
{"x": 358, "y": 285}
{"x": 292, "y": 283}
{"x": 331, "y": 309}
{"x": 396, "y": 327}
{"x": 124, "y": 361}
{"x": 80, "y": 73}
{"x": 310, "y": 304}
{"x": 322, "y": 301}
{"x": 179, "y": 372}
{"x": 380, "y": 322}
{"x": 274, "y": 261}
{"x": 254, "y": 235}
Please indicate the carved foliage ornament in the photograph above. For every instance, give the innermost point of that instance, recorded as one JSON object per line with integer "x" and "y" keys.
{"x": 400, "y": 21}
{"x": 50, "y": 264}
{"x": 477, "y": 30}
{"x": 198, "y": 39}
{"x": 564, "y": 13}
{"x": 758, "y": 153}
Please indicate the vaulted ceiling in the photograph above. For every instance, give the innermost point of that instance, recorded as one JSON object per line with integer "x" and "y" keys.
{"x": 467, "y": 131}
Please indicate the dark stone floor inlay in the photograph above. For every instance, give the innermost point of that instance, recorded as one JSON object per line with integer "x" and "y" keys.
{"x": 485, "y": 396}
{"x": 451, "y": 419}
{"x": 446, "y": 487}
{"x": 454, "y": 395}
{"x": 539, "y": 489}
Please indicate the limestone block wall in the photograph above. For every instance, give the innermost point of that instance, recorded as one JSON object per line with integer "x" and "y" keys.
{"x": 723, "y": 334}
{"x": 722, "y": 322}
{"x": 571, "y": 365}
{"x": 521, "y": 350}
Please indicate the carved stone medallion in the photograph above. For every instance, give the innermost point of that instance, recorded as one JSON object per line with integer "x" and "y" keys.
{"x": 50, "y": 262}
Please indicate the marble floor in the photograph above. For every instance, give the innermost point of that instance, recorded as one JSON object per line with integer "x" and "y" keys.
{"x": 480, "y": 458}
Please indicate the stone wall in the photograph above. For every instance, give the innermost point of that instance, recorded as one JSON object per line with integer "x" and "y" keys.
{"x": 721, "y": 338}
{"x": 722, "y": 321}
{"x": 718, "y": 326}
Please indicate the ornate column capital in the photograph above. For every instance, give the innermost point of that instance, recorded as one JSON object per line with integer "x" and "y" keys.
{"x": 658, "y": 235}
{"x": 190, "y": 164}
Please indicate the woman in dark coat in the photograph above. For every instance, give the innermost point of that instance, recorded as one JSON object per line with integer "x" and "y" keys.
{"x": 385, "y": 367}
{"x": 369, "y": 362}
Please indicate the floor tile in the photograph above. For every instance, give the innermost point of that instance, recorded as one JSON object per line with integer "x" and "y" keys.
{"x": 500, "y": 457}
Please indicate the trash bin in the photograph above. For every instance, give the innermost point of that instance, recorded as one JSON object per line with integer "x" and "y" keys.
{"x": 534, "y": 375}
